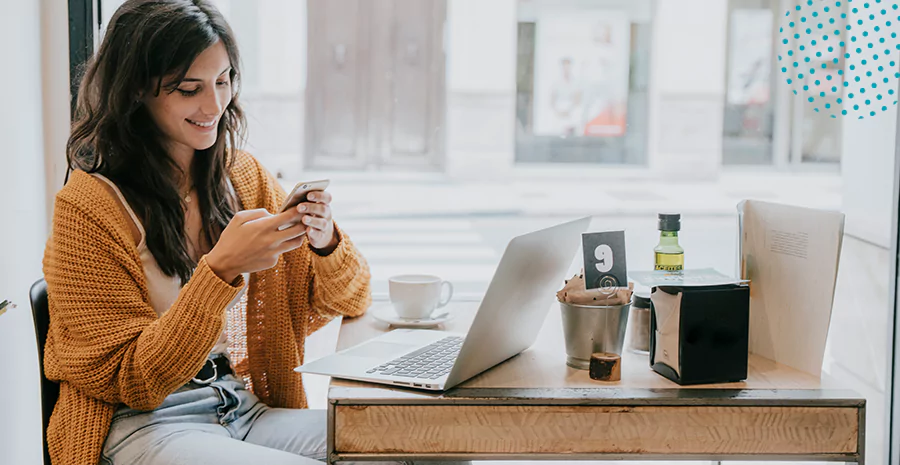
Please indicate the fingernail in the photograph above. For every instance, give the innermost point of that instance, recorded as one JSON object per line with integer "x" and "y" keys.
{"x": 301, "y": 208}
{"x": 312, "y": 197}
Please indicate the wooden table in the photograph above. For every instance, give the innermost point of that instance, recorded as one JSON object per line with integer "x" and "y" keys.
{"x": 533, "y": 406}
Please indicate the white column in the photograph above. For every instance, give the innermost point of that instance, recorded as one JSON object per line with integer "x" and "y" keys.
{"x": 55, "y": 89}
{"x": 23, "y": 230}
{"x": 481, "y": 87}
{"x": 276, "y": 109}
{"x": 687, "y": 88}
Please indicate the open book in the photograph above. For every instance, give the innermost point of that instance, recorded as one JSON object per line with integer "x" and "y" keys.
{"x": 790, "y": 255}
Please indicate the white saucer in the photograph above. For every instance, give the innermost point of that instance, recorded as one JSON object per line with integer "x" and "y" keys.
{"x": 385, "y": 313}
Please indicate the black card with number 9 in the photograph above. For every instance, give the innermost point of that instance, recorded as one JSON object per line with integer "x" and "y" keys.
{"x": 604, "y": 260}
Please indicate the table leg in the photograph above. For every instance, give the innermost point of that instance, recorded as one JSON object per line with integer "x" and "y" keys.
{"x": 329, "y": 442}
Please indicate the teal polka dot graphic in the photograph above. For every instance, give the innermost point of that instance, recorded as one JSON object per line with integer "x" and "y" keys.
{"x": 851, "y": 42}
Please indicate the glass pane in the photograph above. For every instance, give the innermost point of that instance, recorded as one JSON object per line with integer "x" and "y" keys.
{"x": 821, "y": 135}
{"x": 581, "y": 82}
{"x": 749, "y": 107}
{"x": 820, "y": 52}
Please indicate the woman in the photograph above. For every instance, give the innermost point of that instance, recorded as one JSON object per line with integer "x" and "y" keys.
{"x": 169, "y": 266}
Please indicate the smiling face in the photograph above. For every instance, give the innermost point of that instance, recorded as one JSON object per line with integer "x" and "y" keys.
{"x": 188, "y": 112}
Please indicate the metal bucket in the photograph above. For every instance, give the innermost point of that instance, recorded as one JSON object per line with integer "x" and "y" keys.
{"x": 589, "y": 329}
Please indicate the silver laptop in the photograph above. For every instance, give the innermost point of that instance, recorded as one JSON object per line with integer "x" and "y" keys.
{"x": 508, "y": 320}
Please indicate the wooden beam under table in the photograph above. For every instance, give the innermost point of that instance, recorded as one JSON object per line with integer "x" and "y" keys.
{"x": 667, "y": 430}
{"x": 509, "y": 424}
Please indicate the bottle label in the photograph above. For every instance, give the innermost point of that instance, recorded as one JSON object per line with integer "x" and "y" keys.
{"x": 669, "y": 267}
{"x": 669, "y": 262}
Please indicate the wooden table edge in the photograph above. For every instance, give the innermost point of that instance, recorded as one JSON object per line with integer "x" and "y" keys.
{"x": 598, "y": 396}
{"x": 856, "y": 458}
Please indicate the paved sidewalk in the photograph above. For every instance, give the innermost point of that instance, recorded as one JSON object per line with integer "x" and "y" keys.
{"x": 361, "y": 195}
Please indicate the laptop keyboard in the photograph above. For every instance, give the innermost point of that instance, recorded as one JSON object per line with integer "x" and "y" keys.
{"x": 429, "y": 362}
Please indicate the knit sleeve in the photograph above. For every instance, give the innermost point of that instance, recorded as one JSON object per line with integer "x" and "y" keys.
{"x": 341, "y": 282}
{"x": 335, "y": 285}
{"x": 107, "y": 340}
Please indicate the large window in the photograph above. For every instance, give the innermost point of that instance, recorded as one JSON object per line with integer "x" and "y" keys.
{"x": 449, "y": 126}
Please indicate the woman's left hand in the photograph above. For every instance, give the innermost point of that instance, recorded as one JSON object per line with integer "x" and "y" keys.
{"x": 318, "y": 221}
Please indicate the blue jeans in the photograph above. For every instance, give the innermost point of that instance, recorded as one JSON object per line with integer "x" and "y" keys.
{"x": 219, "y": 424}
{"x": 222, "y": 424}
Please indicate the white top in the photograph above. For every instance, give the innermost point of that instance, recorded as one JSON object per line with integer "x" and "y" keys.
{"x": 164, "y": 289}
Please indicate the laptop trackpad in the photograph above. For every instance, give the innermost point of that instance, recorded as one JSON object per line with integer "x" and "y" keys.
{"x": 379, "y": 349}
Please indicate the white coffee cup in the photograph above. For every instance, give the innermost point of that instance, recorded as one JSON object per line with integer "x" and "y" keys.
{"x": 416, "y": 296}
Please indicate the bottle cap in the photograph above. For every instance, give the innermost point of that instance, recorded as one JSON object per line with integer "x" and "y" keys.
{"x": 669, "y": 221}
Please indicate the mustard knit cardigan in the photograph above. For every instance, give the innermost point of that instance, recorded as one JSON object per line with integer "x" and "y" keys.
{"x": 106, "y": 346}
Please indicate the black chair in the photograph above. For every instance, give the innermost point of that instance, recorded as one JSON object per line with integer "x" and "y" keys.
{"x": 40, "y": 310}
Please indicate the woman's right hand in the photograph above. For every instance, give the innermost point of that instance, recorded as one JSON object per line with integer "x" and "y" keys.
{"x": 252, "y": 242}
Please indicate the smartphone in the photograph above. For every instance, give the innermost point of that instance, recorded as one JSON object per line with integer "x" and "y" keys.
{"x": 300, "y": 192}
{"x": 299, "y": 195}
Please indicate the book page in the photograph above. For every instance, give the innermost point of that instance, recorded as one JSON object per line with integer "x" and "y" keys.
{"x": 791, "y": 256}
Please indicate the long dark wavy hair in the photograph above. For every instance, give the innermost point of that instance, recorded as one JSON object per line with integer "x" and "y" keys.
{"x": 113, "y": 133}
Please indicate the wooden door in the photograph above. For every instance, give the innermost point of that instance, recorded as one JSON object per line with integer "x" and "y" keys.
{"x": 375, "y": 93}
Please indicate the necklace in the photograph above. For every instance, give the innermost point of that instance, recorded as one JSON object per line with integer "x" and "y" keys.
{"x": 187, "y": 197}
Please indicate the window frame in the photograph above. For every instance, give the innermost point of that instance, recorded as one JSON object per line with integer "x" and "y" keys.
{"x": 892, "y": 388}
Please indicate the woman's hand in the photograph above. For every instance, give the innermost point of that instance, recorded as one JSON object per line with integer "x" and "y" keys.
{"x": 316, "y": 213}
{"x": 253, "y": 241}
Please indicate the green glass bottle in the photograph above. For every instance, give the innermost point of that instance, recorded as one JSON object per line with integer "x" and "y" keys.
{"x": 669, "y": 255}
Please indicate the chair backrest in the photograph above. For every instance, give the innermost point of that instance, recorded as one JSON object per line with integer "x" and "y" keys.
{"x": 40, "y": 310}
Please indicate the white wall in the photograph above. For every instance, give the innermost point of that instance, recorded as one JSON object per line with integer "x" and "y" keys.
{"x": 23, "y": 230}
{"x": 687, "y": 87}
{"x": 867, "y": 163}
{"x": 867, "y": 168}
{"x": 856, "y": 354}
{"x": 857, "y": 350}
